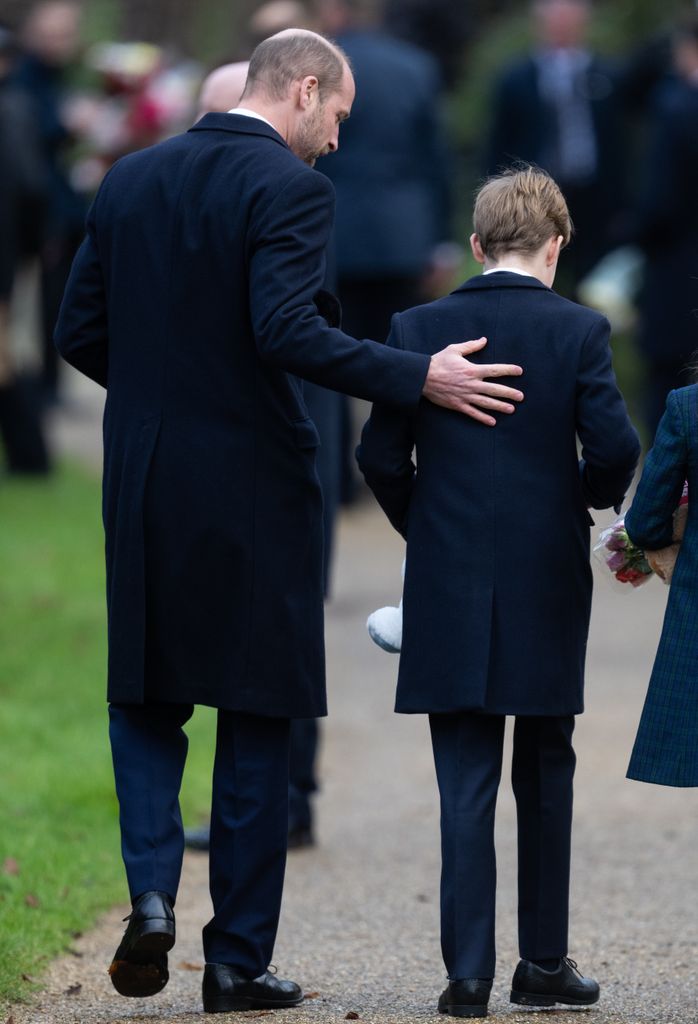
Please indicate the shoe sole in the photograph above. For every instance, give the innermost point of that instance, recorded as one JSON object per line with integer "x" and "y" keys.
{"x": 463, "y": 1010}
{"x": 530, "y": 999}
{"x": 233, "y": 1004}
{"x": 141, "y": 975}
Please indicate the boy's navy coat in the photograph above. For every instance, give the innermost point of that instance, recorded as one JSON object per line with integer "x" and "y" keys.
{"x": 191, "y": 300}
{"x": 498, "y": 584}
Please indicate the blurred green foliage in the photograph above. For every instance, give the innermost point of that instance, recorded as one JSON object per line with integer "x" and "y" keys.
{"x": 59, "y": 839}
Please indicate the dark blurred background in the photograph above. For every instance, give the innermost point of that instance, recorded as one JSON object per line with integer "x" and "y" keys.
{"x": 602, "y": 94}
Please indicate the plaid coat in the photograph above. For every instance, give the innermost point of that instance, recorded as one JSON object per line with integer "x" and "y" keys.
{"x": 666, "y": 746}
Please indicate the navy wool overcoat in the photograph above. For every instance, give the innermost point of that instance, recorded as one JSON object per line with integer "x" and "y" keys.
{"x": 498, "y": 584}
{"x": 191, "y": 301}
{"x": 666, "y": 746}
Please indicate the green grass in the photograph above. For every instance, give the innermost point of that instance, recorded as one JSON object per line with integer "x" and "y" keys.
{"x": 59, "y": 845}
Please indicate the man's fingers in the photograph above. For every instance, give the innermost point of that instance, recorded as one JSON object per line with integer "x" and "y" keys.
{"x": 477, "y": 414}
{"x": 485, "y": 402}
{"x": 500, "y": 391}
{"x": 466, "y": 347}
{"x": 496, "y": 370}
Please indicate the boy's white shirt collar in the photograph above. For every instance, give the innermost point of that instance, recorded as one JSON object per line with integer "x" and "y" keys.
{"x": 506, "y": 270}
{"x": 253, "y": 113}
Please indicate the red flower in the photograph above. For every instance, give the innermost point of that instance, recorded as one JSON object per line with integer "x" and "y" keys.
{"x": 629, "y": 575}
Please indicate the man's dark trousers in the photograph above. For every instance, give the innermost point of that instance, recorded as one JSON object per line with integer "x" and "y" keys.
{"x": 249, "y": 820}
{"x": 468, "y": 757}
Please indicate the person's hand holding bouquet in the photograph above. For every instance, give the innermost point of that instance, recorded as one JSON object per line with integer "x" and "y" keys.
{"x": 662, "y": 561}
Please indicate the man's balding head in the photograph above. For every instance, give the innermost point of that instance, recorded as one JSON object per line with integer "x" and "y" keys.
{"x": 293, "y": 55}
{"x": 223, "y": 88}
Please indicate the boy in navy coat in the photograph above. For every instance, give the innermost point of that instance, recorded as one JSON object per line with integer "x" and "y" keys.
{"x": 498, "y": 583}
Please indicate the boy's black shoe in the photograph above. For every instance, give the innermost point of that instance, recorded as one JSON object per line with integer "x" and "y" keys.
{"x": 139, "y": 967}
{"x": 466, "y": 997}
{"x": 534, "y": 986}
{"x": 226, "y": 990}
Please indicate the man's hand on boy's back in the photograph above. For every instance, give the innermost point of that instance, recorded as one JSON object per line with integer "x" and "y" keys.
{"x": 456, "y": 383}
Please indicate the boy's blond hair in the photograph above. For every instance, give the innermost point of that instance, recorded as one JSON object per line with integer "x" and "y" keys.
{"x": 518, "y": 211}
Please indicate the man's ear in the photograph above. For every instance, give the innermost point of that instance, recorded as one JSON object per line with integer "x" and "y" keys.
{"x": 476, "y": 248}
{"x": 308, "y": 91}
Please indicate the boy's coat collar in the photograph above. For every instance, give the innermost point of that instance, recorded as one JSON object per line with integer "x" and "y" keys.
{"x": 502, "y": 279}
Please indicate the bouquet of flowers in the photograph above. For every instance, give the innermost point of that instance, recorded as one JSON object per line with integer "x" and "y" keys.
{"x": 630, "y": 564}
{"x": 616, "y": 551}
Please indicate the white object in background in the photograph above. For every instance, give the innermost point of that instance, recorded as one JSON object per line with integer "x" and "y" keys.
{"x": 613, "y": 284}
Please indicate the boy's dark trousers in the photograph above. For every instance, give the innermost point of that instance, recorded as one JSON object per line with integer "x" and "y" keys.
{"x": 249, "y": 820}
{"x": 468, "y": 757}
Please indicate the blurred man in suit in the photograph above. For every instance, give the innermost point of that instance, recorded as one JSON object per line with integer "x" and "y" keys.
{"x": 51, "y": 40}
{"x": 668, "y": 229}
{"x": 559, "y": 107}
{"x": 391, "y": 176}
{"x": 192, "y": 301}
{"x": 392, "y": 180}
{"x": 23, "y": 187}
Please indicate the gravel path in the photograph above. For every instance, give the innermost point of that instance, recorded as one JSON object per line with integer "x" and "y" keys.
{"x": 359, "y": 927}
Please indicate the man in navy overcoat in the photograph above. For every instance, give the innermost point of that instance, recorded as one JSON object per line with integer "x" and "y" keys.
{"x": 191, "y": 301}
{"x": 498, "y": 584}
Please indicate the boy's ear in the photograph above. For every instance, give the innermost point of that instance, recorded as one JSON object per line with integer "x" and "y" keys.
{"x": 476, "y": 248}
{"x": 552, "y": 254}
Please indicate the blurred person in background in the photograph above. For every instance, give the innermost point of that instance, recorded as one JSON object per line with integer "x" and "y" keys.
{"x": 275, "y": 16}
{"x": 441, "y": 27}
{"x": 219, "y": 85}
{"x": 391, "y": 175}
{"x": 22, "y": 209}
{"x": 560, "y": 107}
{"x": 50, "y": 40}
{"x": 667, "y": 229}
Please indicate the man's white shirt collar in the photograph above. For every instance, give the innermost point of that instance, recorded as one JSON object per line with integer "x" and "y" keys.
{"x": 507, "y": 270}
{"x": 253, "y": 113}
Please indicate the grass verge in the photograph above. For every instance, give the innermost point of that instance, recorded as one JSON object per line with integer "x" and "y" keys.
{"x": 59, "y": 848}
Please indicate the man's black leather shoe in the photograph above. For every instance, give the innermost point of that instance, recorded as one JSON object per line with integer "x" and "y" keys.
{"x": 226, "y": 990}
{"x": 139, "y": 967}
{"x": 534, "y": 986}
{"x": 467, "y": 997}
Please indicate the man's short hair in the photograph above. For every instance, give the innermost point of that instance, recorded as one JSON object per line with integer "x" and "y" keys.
{"x": 291, "y": 55}
{"x": 518, "y": 211}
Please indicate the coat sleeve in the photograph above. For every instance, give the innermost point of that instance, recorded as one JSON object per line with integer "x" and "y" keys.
{"x": 649, "y": 521}
{"x": 385, "y": 453}
{"x": 610, "y": 445}
{"x": 81, "y": 334}
{"x": 286, "y": 270}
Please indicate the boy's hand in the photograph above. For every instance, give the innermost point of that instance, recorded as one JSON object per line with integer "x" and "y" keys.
{"x": 456, "y": 383}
